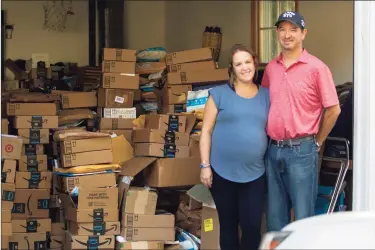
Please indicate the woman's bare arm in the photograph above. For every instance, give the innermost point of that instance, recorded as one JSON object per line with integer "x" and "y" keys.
{"x": 209, "y": 119}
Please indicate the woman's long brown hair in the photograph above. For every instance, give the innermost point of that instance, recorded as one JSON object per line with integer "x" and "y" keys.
{"x": 236, "y": 48}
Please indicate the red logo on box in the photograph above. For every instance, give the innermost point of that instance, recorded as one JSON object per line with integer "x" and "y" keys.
{"x": 9, "y": 148}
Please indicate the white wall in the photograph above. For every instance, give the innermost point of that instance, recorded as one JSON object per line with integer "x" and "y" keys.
{"x": 330, "y": 35}
{"x": 29, "y": 36}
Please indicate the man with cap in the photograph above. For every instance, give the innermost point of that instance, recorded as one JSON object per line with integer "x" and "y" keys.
{"x": 304, "y": 109}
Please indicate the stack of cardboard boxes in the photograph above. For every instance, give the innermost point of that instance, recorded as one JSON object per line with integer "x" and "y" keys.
{"x": 11, "y": 148}
{"x": 90, "y": 199}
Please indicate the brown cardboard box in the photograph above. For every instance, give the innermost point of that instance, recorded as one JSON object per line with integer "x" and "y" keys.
{"x": 82, "y": 242}
{"x": 174, "y": 108}
{"x": 137, "y": 245}
{"x": 115, "y": 123}
{"x": 57, "y": 242}
{"x": 29, "y": 241}
{"x": 161, "y": 137}
{"x": 31, "y": 203}
{"x": 118, "y": 67}
{"x": 6, "y": 229}
{"x": 36, "y": 122}
{"x": 87, "y": 181}
{"x": 6, "y": 215}
{"x": 98, "y": 198}
{"x": 203, "y": 65}
{"x": 150, "y": 221}
{"x": 85, "y": 145}
{"x": 8, "y": 193}
{"x": 34, "y": 180}
{"x": 32, "y": 149}
{"x": 120, "y": 81}
{"x": 140, "y": 201}
{"x": 193, "y": 55}
{"x": 194, "y": 145}
{"x": 175, "y": 172}
{"x": 14, "y": 109}
{"x": 79, "y": 100}
{"x": 86, "y": 158}
{"x": 210, "y": 229}
{"x": 125, "y": 113}
{"x": 161, "y": 150}
{"x": 198, "y": 76}
{"x": 4, "y": 126}
{"x": 34, "y": 136}
{"x": 176, "y": 94}
{"x": 145, "y": 68}
{"x": 148, "y": 234}
{"x": 58, "y": 229}
{"x": 115, "y": 98}
{"x": 10, "y": 85}
{"x": 11, "y": 147}
{"x": 31, "y": 226}
{"x": 166, "y": 122}
{"x": 8, "y": 171}
{"x": 114, "y": 54}
{"x": 33, "y": 163}
{"x": 5, "y": 242}
{"x": 97, "y": 211}
{"x": 127, "y": 133}
{"x": 86, "y": 228}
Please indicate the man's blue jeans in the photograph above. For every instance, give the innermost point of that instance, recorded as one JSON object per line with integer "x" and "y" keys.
{"x": 292, "y": 177}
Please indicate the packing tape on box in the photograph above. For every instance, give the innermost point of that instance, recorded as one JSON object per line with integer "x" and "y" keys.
{"x": 141, "y": 202}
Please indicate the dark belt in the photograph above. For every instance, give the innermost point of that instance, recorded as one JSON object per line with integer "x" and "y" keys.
{"x": 292, "y": 142}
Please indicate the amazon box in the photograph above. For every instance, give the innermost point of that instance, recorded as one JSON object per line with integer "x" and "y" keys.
{"x": 150, "y": 221}
{"x": 148, "y": 234}
{"x": 33, "y": 180}
{"x": 140, "y": 201}
{"x": 83, "y": 242}
{"x": 36, "y": 121}
{"x": 175, "y": 94}
{"x": 8, "y": 171}
{"x": 87, "y": 181}
{"x": 136, "y": 245}
{"x": 8, "y": 193}
{"x": 185, "y": 56}
{"x": 56, "y": 242}
{"x": 85, "y": 145}
{"x": 123, "y": 55}
{"x": 86, "y": 158}
{"x": 11, "y": 147}
{"x": 118, "y": 67}
{"x": 198, "y": 77}
{"x": 32, "y": 149}
{"x": 58, "y": 229}
{"x": 94, "y": 204}
{"x": 34, "y": 136}
{"x": 31, "y": 203}
{"x": 203, "y": 65}
{"x": 91, "y": 228}
{"x": 33, "y": 163}
{"x": 6, "y": 215}
{"x": 31, "y": 226}
{"x": 28, "y": 109}
{"x": 115, "y": 123}
{"x": 120, "y": 81}
{"x": 160, "y": 137}
{"x": 6, "y": 229}
{"x": 71, "y": 100}
{"x": 115, "y": 98}
{"x": 29, "y": 241}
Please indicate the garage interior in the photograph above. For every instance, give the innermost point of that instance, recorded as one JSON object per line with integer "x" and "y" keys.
{"x": 165, "y": 206}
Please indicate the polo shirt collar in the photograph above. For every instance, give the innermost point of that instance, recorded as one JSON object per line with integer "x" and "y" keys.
{"x": 302, "y": 58}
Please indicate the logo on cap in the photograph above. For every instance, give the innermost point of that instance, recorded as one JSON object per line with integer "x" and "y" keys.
{"x": 289, "y": 14}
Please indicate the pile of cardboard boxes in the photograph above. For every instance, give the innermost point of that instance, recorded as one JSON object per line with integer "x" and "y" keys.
{"x": 78, "y": 186}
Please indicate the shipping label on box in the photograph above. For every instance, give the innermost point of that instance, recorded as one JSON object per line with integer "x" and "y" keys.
{"x": 8, "y": 194}
{"x": 115, "y": 54}
{"x": 8, "y": 171}
{"x": 32, "y": 241}
{"x": 36, "y": 122}
{"x": 14, "y": 109}
{"x": 126, "y": 113}
{"x": 118, "y": 67}
{"x": 34, "y": 180}
{"x": 31, "y": 203}
{"x": 34, "y": 136}
{"x": 31, "y": 226}
{"x": 11, "y": 147}
{"x": 33, "y": 163}
{"x": 115, "y": 98}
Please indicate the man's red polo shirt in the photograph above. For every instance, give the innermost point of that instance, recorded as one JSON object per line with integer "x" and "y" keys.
{"x": 298, "y": 95}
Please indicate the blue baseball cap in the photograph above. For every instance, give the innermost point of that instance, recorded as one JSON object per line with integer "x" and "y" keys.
{"x": 292, "y": 17}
